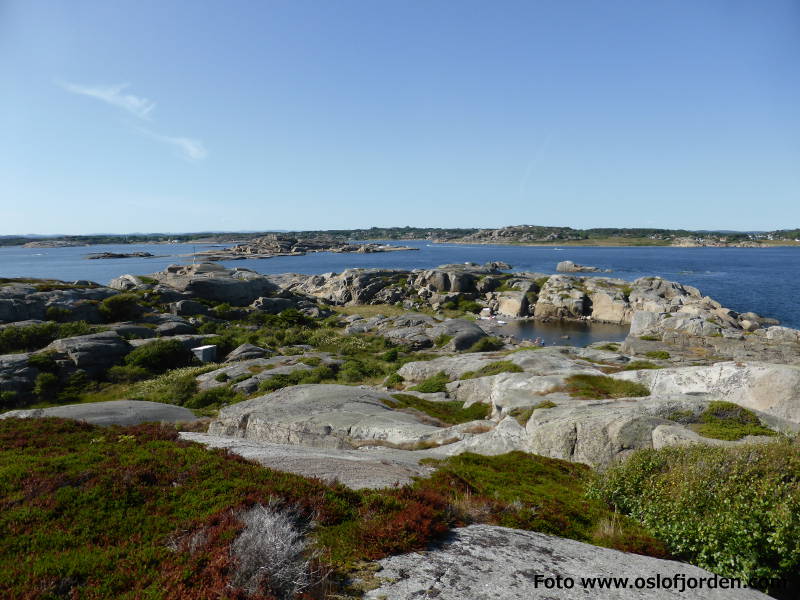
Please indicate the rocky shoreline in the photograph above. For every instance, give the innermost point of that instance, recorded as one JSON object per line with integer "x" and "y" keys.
{"x": 360, "y": 376}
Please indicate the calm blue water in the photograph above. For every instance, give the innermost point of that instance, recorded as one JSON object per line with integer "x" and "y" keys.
{"x": 766, "y": 280}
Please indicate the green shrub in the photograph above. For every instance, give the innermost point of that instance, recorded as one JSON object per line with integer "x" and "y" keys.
{"x": 127, "y": 374}
{"x": 523, "y": 414}
{"x": 160, "y": 356}
{"x": 599, "y": 387}
{"x": 218, "y": 396}
{"x": 394, "y": 381}
{"x": 43, "y": 362}
{"x": 282, "y": 380}
{"x": 433, "y": 384}
{"x": 46, "y": 386}
{"x": 120, "y": 307}
{"x": 390, "y": 355}
{"x": 487, "y": 344}
{"x": 34, "y": 337}
{"x": 729, "y": 421}
{"x": 57, "y": 313}
{"x": 442, "y": 340}
{"x": 221, "y": 377}
{"x": 657, "y": 354}
{"x": 493, "y": 368}
{"x": 174, "y": 387}
{"x": 733, "y": 511}
{"x": 9, "y": 400}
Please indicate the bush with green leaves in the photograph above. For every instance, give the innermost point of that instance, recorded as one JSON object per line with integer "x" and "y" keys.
{"x": 46, "y": 386}
{"x": 734, "y": 511}
{"x": 433, "y": 384}
{"x": 218, "y": 396}
{"x": 120, "y": 307}
{"x": 127, "y": 374}
{"x": 33, "y": 337}
{"x": 160, "y": 356}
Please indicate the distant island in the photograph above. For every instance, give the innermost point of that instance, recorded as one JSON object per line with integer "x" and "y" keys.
{"x": 515, "y": 234}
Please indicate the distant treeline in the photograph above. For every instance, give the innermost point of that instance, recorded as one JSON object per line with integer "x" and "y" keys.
{"x": 411, "y": 233}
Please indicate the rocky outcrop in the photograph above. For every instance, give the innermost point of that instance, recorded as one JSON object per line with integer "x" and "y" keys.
{"x": 485, "y": 562}
{"x": 115, "y": 412}
{"x": 767, "y": 388}
{"x": 16, "y": 375}
{"x": 367, "y": 467}
{"x": 327, "y": 416}
{"x": 93, "y": 353}
{"x": 567, "y": 266}
{"x": 24, "y": 301}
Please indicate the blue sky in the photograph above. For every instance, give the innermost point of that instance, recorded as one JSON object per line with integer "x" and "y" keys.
{"x": 175, "y": 115}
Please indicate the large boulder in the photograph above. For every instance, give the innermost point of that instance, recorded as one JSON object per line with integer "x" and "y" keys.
{"x": 464, "y": 333}
{"x": 512, "y": 304}
{"x": 486, "y": 562}
{"x": 331, "y": 416}
{"x": 93, "y": 353}
{"x": 15, "y": 373}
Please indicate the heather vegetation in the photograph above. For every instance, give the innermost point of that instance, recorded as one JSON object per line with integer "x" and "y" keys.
{"x": 134, "y": 512}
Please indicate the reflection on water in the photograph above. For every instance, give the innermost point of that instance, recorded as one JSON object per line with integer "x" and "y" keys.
{"x": 553, "y": 333}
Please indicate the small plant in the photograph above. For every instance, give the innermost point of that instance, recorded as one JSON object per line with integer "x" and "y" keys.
{"x": 221, "y": 377}
{"x": 272, "y": 553}
{"x": 160, "y": 356}
{"x": 218, "y": 396}
{"x": 394, "y": 381}
{"x": 120, "y": 307}
{"x": 650, "y": 338}
{"x": 596, "y": 387}
{"x": 46, "y": 386}
{"x": 433, "y": 384}
{"x": 729, "y": 421}
{"x": 611, "y": 347}
{"x": 442, "y": 340}
{"x": 523, "y": 414}
{"x": 657, "y": 354}
{"x": 638, "y": 365}
{"x": 127, "y": 374}
{"x": 487, "y": 344}
{"x": 493, "y": 368}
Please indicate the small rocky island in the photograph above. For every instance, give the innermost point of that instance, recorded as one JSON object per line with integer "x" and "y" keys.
{"x": 113, "y": 255}
{"x": 272, "y": 245}
{"x": 379, "y": 402}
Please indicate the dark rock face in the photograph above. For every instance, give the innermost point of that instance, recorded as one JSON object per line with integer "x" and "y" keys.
{"x": 15, "y": 373}
{"x": 246, "y": 352}
{"x": 93, "y": 353}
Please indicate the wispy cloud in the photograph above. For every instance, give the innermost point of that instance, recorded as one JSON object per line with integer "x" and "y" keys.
{"x": 188, "y": 148}
{"x": 113, "y": 94}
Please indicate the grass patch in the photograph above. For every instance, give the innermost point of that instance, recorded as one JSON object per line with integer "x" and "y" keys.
{"x": 433, "y": 384}
{"x": 487, "y": 344}
{"x": 532, "y": 492}
{"x": 728, "y": 421}
{"x": 657, "y": 354}
{"x": 493, "y": 368}
{"x": 372, "y": 310}
{"x": 611, "y": 347}
{"x": 597, "y": 387}
{"x": 524, "y": 414}
{"x": 733, "y": 511}
{"x": 449, "y": 413}
{"x": 650, "y": 338}
{"x": 638, "y": 365}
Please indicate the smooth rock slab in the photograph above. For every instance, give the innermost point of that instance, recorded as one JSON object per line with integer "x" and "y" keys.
{"x": 115, "y": 412}
{"x": 358, "y": 469}
{"x": 484, "y": 562}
